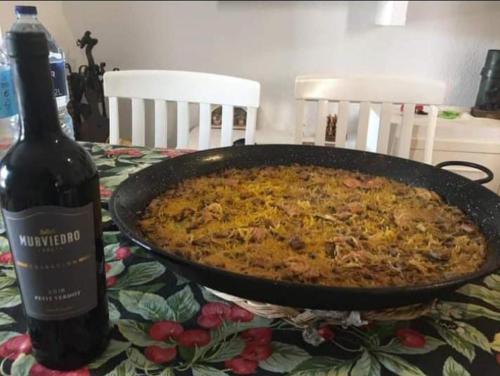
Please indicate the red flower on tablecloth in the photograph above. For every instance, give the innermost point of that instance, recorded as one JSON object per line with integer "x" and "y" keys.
{"x": 110, "y": 281}
{"x": 163, "y": 330}
{"x": 326, "y": 332}
{"x": 497, "y": 357}
{"x": 239, "y": 314}
{"x": 259, "y": 336}
{"x": 122, "y": 253}
{"x": 209, "y": 321}
{"x": 171, "y": 153}
{"x": 410, "y": 338}
{"x": 15, "y": 346}
{"x": 6, "y": 258}
{"x": 256, "y": 352}
{"x": 39, "y": 370}
{"x": 160, "y": 355}
{"x": 105, "y": 192}
{"x": 241, "y": 366}
{"x": 194, "y": 337}
{"x": 216, "y": 309}
{"x": 131, "y": 152}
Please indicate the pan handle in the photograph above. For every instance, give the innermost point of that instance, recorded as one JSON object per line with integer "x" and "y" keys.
{"x": 489, "y": 174}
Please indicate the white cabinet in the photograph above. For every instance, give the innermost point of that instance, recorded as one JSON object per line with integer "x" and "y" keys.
{"x": 467, "y": 139}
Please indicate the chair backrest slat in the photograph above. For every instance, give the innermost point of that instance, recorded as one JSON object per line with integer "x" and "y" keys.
{"x": 184, "y": 88}
{"x": 204, "y": 124}
{"x": 299, "y": 122}
{"x": 114, "y": 120}
{"x": 383, "y": 91}
{"x": 384, "y": 130}
{"x": 227, "y": 125}
{"x": 342, "y": 120}
{"x": 363, "y": 119}
{"x": 160, "y": 123}
{"x": 182, "y": 124}
{"x": 319, "y": 138}
{"x": 138, "y": 122}
{"x": 405, "y": 134}
{"x": 251, "y": 125}
{"x": 430, "y": 134}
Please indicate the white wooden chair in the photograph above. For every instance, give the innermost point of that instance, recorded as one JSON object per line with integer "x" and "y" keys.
{"x": 184, "y": 88}
{"x": 383, "y": 91}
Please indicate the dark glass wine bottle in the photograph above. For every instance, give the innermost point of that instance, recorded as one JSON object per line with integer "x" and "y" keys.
{"x": 49, "y": 191}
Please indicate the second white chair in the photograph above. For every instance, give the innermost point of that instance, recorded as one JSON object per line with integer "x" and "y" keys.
{"x": 385, "y": 91}
{"x": 184, "y": 88}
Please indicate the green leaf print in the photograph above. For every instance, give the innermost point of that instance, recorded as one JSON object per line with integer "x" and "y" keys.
{"x": 398, "y": 365}
{"x": 114, "y": 348}
{"x": 137, "y": 333}
{"x": 472, "y": 335}
{"x": 22, "y": 365}
{"x": 149, "y": 306}
{"x": 9, "y": 297}
{"x": 116, "y": 267}
{"x": 456, "y": 341}
{"x": 109, "y": 251}
{"x": 318, "y": 366}
{"x": 139, "y": 361}
{"x": 366, "y": 365}
{"x": 167, "y": 372}
{"x": 225, "y": 350}
{"x": 284, "y": 358}
{"x": 453, "y": 368}
{"x": 466, "y": 311}
{"x": 4, "y": 336}
{"x": 201, "y": 370}
{"x": 111, "y": 182}
{"x": 493, "y": 282}
{"x": 4, "y": 244}
{"x": 110, "y": 237}
{"x": 154, "y": 287}
{"x": 396, "y": 347}
{"x": 6, "y": 281}
{"x": 105, "y": 216}
{"x": 140, "y": 274}
{"x": 125, "y": 368}
{"x": 480, "y": 292}
{"x": 114, "y": 314}
{"x": 183, "y": 304}
{"x": 229, "y": 328}
{"x": 5, "y": 319}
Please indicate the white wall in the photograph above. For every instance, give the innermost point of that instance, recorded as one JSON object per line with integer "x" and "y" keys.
{"x": 50, "y": 13}
{"x": 272, "y": 42}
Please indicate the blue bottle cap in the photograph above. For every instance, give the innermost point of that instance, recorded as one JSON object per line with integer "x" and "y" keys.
{"x": 26, "y": 10}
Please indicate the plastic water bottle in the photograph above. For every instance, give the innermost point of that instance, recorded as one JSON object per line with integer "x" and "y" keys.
{"x": 9, "y": 128}
{"x": 27, "y": 21}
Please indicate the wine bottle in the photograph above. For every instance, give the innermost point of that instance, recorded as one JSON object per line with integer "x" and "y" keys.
{"x": 49, "y": 192}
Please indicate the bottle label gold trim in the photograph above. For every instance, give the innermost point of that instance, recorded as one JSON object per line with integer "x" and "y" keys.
{"x": 54, "y": 255}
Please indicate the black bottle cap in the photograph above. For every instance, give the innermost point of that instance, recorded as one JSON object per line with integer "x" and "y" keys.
{"x": 26, "y": 10}
{"x": 26, "y": 44}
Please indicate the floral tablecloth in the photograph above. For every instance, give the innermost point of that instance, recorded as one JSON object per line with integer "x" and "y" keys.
{"x": 163, "y": 325}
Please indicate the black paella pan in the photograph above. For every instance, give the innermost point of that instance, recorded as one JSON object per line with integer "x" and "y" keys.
{"x": 479, "y": 204}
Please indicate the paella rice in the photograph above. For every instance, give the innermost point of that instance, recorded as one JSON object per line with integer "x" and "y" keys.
{"x": 316, "y": 225}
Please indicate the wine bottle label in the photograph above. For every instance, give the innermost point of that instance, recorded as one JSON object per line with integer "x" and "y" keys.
{"x": 58, "y": 78}
{"x": 54, "y": 254}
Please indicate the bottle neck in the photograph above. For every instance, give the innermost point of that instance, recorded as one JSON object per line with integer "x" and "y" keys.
{"x": 37, "y": 105}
